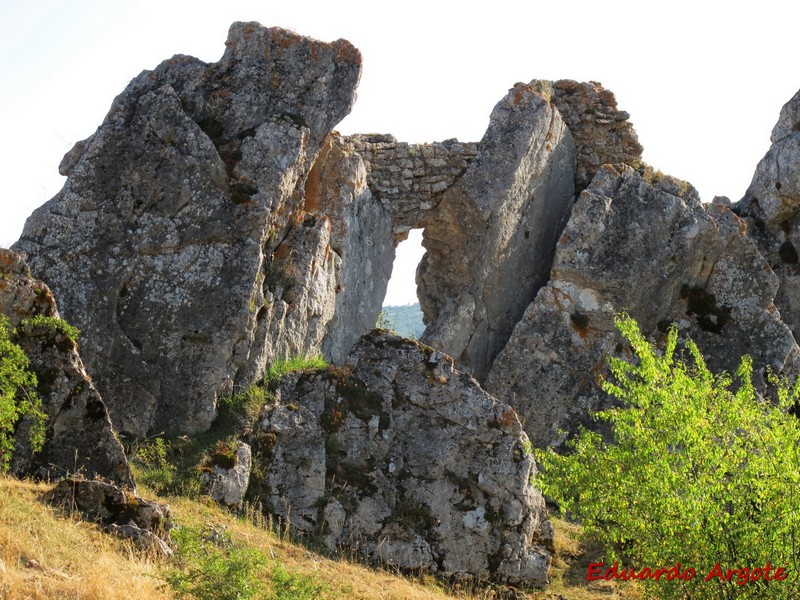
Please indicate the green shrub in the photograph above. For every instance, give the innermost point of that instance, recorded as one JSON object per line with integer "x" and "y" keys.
{"x": 59, "y": 325}
{"x": 18, "y": 397}
{"x": 295, "y": 586}
{"x": 699, "y": 470}
{"x": 208, "y": 565}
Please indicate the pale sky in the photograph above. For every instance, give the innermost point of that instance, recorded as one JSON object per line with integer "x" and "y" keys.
{"x": 704, "y": 81}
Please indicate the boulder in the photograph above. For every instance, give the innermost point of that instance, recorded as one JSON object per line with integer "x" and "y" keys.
{"x": 490, "y": 240}
{"x": 178, "y": 244}
{"x": 121, "y": 511}
{"x": 407, "y": 461}
{"x": 78, "y": 433}
{"x": 641, "y": 243}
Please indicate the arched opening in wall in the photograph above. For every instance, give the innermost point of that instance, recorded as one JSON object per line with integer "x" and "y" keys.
{"x": 401, "y": 311}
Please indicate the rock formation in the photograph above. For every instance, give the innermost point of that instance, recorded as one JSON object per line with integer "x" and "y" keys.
{"x": 647, "y": 246}
{"x": 78, "y": 433}
{"x": 490, "y": 240}
{"x": 771, "y": 206}
{"x": 178, "y": 245}
{"x": 361, "y": 240}
{"x": 405, "y": 459}
{"x": 214, "y": 223}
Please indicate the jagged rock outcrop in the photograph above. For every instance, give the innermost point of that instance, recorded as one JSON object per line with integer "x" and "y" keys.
{"x": 407, "y": 461}
{"x": 649, "y": 248}
{"x": 772, "y": 204}
{"x": 78, "y": 433}
{"x": 361, "y": 239}
{"x": 491, "y": 238}
{"x": 179, "y": 245}
{"x": 409, "y": 179}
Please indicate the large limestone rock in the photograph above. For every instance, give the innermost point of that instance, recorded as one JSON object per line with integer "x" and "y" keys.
{"x": 491, "y": 238}
{"x": 650, "y": 248}
{"x": 78, "y": 435}
{"x": 361, "y": 238}
{"x": 404, "y": 459}
{"x": 179, "y": 245}
{"x": 771, "y": 206}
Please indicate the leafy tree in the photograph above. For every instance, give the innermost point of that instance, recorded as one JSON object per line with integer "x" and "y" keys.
{"x": 18, "y": 396}
{"x": 700, "y": 470}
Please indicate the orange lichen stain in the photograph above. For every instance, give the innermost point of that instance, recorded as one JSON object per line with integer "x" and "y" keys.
{"x": 548, "y": 147}
{"x": 564, "y": 239}
{"x": 583, "y": 332}
{"x": 344, "y": 51}
{"x": 559, "y": 297}
{"x": 313, "y": 190}
{"x": 250, "y": 29}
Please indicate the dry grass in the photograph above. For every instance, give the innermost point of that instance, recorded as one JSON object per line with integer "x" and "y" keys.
{"x": 45, "y": 554}
{"x": 574, "y": 552}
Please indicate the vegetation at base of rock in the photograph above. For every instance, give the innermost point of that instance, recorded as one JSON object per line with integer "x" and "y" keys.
{"x": 700, "y": 470}
{"x": 208, "y": 565}
{"x": 75, "y": 559}
{"x": 174, "y": 464}
{"x": 58, "y": 325}
{"x": 18, "y": 397}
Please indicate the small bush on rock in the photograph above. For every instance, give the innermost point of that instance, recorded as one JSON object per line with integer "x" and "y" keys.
{"x": 18, "y": 397}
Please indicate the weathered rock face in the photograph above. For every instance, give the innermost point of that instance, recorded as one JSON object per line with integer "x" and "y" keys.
{"x": 178, "y": 244}
{"x": 406, "y": 460}
{"x": 651, "y": 249}
{"x": 227, "y": 484}
{"x": 602, "y": 133}
{"x": 772, "y": 204}
{"x": 361, "y": 240}
{"x": 79, "y": 437}
{"x": 490, "y": 240}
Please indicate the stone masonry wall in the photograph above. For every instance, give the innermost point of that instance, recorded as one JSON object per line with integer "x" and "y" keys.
{"x": 408, "y": 179}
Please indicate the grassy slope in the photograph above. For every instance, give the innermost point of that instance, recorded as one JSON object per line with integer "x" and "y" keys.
{"x": 45, "y": 554}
